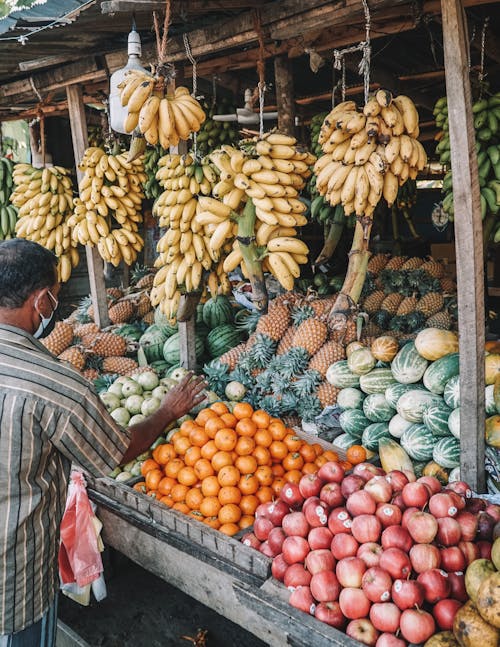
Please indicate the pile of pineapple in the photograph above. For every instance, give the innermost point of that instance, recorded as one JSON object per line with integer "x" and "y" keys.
{"x": 403, "y": 295}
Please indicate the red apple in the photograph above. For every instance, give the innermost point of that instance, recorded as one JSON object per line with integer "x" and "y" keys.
{"x": 436, "y": 585}
{"x": 267, "y": 550}
{"x": 331, "y": 494}
{"x": 316, "y": 515}
{"x": 350, "y": 484}
{"x": 444, "y": 613}
{"x": 339, "y": 520}
{"x": 379, "y": 489}
{"x": 415, "y": 494}
{"x": 494, "y": 511}
{"x": 407, "y": 515}
{"x": 432, "y": 483}
{"x": 470, "y": 550}
{"x": 485, "y": 525}
{"x": 484, "y": 548}
{"x": 397, "y": 499}
{"x": 422, "y": 527}
{"x": 452, "y": 559}
{"x": 396, "y": 563}
{"x": 385, "y": 616}
{"x": 407, "y": 594}
{"x": 331, "y": 472}
{"x": 330, "y": 614}
{"x": 350, "y": 571}
{"x": 410, "y": 475}
{"x": 291, "y": 495}
{"x": 363, "y": 631}
{"x": 458, "y": 499}
{"x": 353, "y": 603}
{"x": 301, "y": 598}
{"x": 296, "y": 575}
{"x": 367, "y": 471}
{"x": 278, "y": 567}
{"x": 457, "y": 586}
{"x": 262, "y": 527}
{"x": 417, "y": 626}
{"x": 310, "y": 485}
{"x": 360, "y": 502}
{"x": 344, "y": 545}
{"x": 442, "y": 505}
{"x": 424, "y": 557}
{"x": 249, "y": 539}
{"x": 325, "y": 586}
{"x": 276, "y": 538}
{"x": 397, "y": 537}
{"x": 475, "y": 504}
{"x": 370, "y": 553}
{"x": 389, "y": 640}
{"x": 295, "y": 524}
{"x": 468, "y": 525}
{"x": 388, "y": 514}
{"x": 460, "y": 487}
{"x": 295, "y": 549}
{"x": 397, "y": 479}
{"x": 262, "y": 510}
{"x": 319, "y": 538}
{"x": 311, "y": 501}
{"x": 366, "y": 528}
{"x": 449, "y": 532}
{"x": 376, "y": 584}
{"x": 276, "y": 511}
{"x": 320, "y": 560}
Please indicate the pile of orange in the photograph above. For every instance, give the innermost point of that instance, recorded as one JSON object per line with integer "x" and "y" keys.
{"x": 220, "y": 466}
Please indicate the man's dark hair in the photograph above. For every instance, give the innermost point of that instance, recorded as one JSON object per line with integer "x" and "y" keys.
{"x": 25, "y": 266}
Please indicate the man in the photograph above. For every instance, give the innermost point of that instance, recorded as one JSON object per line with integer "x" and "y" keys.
{"x": 50, "y": 416}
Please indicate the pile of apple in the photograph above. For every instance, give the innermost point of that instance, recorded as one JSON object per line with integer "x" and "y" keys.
{"x": 381, "y": 556}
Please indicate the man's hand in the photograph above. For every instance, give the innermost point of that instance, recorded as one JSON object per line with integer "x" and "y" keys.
{"x": 183, "y": 397}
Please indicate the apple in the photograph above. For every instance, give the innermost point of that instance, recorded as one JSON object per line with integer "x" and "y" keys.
{"x": 397, "y": 499}
{"x": 330, "y": 613}
{"x": 396, "y": 563}
{"x": 379, "y": 488}
{"x": 432, "y": 483}
{"x": 410, "y": 475}
{"x": 436, "y": 585}
{"x": 291, "y": 495}
{"x": 442, "y": 505}
{"x": 485, "y": 525}
{"x": 279, "y": 567}
{"x": 452, "y": 559}
{"x": 343, "y": 545}
{"x": 458, "y": 500}
{"x": 376, "y": 584}
{"x": 266, "y": 549}
{"x": 295, "y": 576}
{"x": 339, "y": 520}
{"x": 310, "y": 485}
{"x": 385, "y": 616}
{"x": 397, "y": 537}
{"x": 301, "y": 598}
{"x": 262, "y": 527}
{"x": 449, "y": 532}
{"x": 389, "y": 640}
{"x": 424, "y": 557}
{"x": 295, "y": 549}
{"x": 276, "y": 511}
{"x": 331, "y": 495}
{"x": 317, "y": 515}
{"x": 276, "y": 538}
{"x": 353, "y": 603}
{"x": 370, "y": 553}
{"x": 415, "y": 494}
{"x": 331, "y": 472}
{"x": 363, "y": 631}
{"x": 444, "y": 613}
{"x": 360, "y": 502}
{"x": 475, "y": 504}
{"x": 319, "y": 560}
{"x": 350, "y": 571}
{"x": 319, "y": 538}
{"x": 470, "y": 550}
{"x": 407, "y": 594}
{"x": 262, "y": 510}
{"x": 367, "y": 471}
{"x": 350, "y": 484}
{"x": 457, "y": 586}
{"x": 388, "y": 514}
{"x": 416, "y": 625}
{"x": 366, "y": 528}
{"x": 311, "y": 501}
{"x": 468, "y": 525}
{"x": 408, "y": 514}
{"x": 249, "y": 539}
{"x": 397, "y": 479}
{"x": 484, "y": 548}
{"x": 460, "y": 487}
{"x": 494, "y": 511}
{"x": 423, "y": 527}
{"x": 295, "y": 524}
{"x": 325, "y": 586}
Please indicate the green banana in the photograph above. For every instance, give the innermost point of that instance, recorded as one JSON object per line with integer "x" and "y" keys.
{"x": 479, "y": 106}
{"x": 491, "y": 199}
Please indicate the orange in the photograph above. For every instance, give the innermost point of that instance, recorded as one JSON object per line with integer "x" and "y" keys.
{"x": 320, "y": 460}
{"x": 219, "y": 408}
{"x": 153, "y": 478}
{"x": 196, "y": 514}
{"x": 333, "y": 456}
{"x": 203, "y": 416}
{"x": 229, "y": 494}
{"x": 210, "y": 486}
{"x": 346, "y": 465}
{"x": 203, "y": 468}
{"x": 277, "y": 429}
{"x": 246, "y": 521}
{"x": 194, "y": 497}
{"x": 263, "y": 437}
{"x": 213, "y": 522}
{"x": 246, "y": 464}
{"x": 165, "y": 485}
{"x": 265, "y": 494}
{"x": 309, "y": 468}
{"x": 163, "y": 453}
{"x": 167, "y": 500}
{"x": 173, "y": 467}
{"x": 229, "y": 513}
{"x": 246, "y": 427}
{"x": 221, "y": 459}
{"x": 213, "y": 425}
{"x": 198, "y": 437}
{"x": 148, "y": 464}
{"x": 181, "y": 445}
{"x": 140, "y": 487}
{"x": 317, "y": 448}
{"x": 229, "y": 420}
{"x": 178, "y": 492}
{"x": 292, "y": 476}
{"x": 264, "y": 474}
{"x": 261, "y": 418}
{"x": 278, "y": 484}
{"x": 242, "y": 410}
{"x": 187, "y": 476}
{"x": 293, "y": 461}
{"x": 244, "y": 446}
{"x": 308, "y": 453}
{"x": 249, "y": 504}
{"x": 248, "y": 483}
{"x": 229, "y": 529}
{"x": 226, "y": 439}
{"x": 181, "y": 507}
{"x": 187, "y": 426}
{"x": 192, "y": 455}
{"x": 278, "y": 450}
{"x": 154, "y": 494}
{"x": 228, "y": 475}
{"x": 262, "y": 455}
{"x": 293, "y": 442}
{"x": 210, "y": 506}
{"x": 356, "y": 454}
{"x": 209, "y": 449}
{"x": 278, "y": 469}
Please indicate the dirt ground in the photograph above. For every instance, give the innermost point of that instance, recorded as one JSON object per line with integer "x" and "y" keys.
{"x": 142, "y": 610}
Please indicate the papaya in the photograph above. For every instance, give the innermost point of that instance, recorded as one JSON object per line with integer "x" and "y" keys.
{"x": 488, "y": 600}
{"x": 442, "y": 639}
{"x": 476, "y": 573}
{"x": 472, "y": 631}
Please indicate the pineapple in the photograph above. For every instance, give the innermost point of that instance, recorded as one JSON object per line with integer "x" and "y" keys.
{"x": 217, "y": 375}
{"x": 114, "y": 294}
{"x": 143, "y": 305}
{"x": 73, "y": 356}
{"x": 90, "y": 374}
{"x": 294, "y": 362}
{"x": 121, "y": 312}
{"x": 448, "y": 286}
{"x": 412, "y": 263}
{"x": 232, "y": 356}
{"x": 346, "y": 334}
{"x": 439, "y": 320}
{"x": 301, "y": 313}
{"x": 262, "y": 351}
{"x": 275, "y": 322}
{"x": 142, "y": 277}
{"x": 430, "y": 304}
{"x": 416, "y": 321}
{"x": 327, "y": 394}
{"x": 328, "y": 354}
{"x": 377, "y": 263}
{"x": 311, "y": 335}
{"x": 149, "y": 317}
{"x": 59, "y": 339}
{"x": 407, "y": 305}
{"x": 392, "y": 302}
{"x": 119, "y": 365}
{"x": 85, "y": 329}
{"x": 306, "y": 384}
{"x": 396, "y": 263}
{"x": 370, "y": 330}
{"x": 309, "y": 407}
{"x": 434, "y": 268}
{"x": 373, "y": 301}
{"x": 286, "y": 341}
{"x": 107, "y": 344}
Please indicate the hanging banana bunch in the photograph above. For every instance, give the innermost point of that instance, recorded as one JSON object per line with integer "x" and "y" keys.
{"x": 110, "y": 190}
{"x": 214, "y": 133}
{"x": 152, "y": 188}
{"x": 8, "y": 212}
{"x": 369, "y": 154}
{"x": 44, "y": 198}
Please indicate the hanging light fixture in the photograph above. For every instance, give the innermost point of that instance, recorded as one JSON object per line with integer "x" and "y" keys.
{"x": 118, "y": 112}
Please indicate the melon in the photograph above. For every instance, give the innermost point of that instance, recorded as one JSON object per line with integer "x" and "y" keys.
{"x": 433, "y": 343}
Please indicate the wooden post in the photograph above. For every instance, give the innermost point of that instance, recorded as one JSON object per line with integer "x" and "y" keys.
{"x": 95, "y": 266}
{"x": 468, "y": 243}
{"x": 284, "y": 94}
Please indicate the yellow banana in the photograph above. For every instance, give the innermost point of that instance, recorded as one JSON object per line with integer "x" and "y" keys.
{"x": 287, "y": 244}
{"x": 280, "y": 270}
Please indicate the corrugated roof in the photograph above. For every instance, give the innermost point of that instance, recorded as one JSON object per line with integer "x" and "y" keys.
{"x": 59, "y": 12}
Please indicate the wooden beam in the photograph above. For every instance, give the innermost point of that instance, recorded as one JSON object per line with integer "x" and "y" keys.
{"x": 422, "y": 76}
{"x": 468, "y": 244}
{"x": 194, "y": 6}
{"x": 350, "y": 91}
{"x": 283, "y": 78}
{"x": 94, "y": 261}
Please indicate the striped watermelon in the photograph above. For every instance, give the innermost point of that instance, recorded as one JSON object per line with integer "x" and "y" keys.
{"x": 440, "y": 371}
{"x": 489, "y": 400}
{"x": 171, "y": 348}
{"x": 408, "y": 366}
{"x": 418, "y": 442}
{"x": 451, "y": 394}
{"x": 376, "y": 381}
{"x": 377, "y": 409}
{"x": 350, "y": 398}
{"x": 353, "y": 422}
{"x": 394, "y": 391}
{"x": 340, "y": 375}
{"x": 217, "y": 311}
{"x": 344, "y": 441}
{"x": 412, "y": 404}
{"x": 447, "y": 452}
{"x": 454, "y": 422}
{"x": 398, "y": 425}
{"x": 223, "y": 338}
{"x": 436, "y": 418}
{"x": 361, "y": 361}
{"x": 373, "y": 433}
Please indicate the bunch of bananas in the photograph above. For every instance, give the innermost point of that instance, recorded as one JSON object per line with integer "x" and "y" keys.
{"x": 160, "y": 117}
{"x": 213, "y": 133}
{"x": 315, "y": 126}
{"x": 8, "y": 212}
{"x": 370, "y": 153}
{"x": 152, "y": 155}
{"x": 44, "y": 198}
{"x": 486, "y": 114}
{"x": 407, "y": 195}
{"x": 111, "y": 189}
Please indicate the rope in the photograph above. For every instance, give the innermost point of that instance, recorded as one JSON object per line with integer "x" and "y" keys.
{"x": 261, "y": 69}
{"x": 482, "y": 75}
{"x": 161, "y": 42}
{"x": 189, "y": 54}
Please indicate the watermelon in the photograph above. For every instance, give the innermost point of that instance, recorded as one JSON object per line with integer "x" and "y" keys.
{"x": 440, "y": 371}
{"x": 376, "y": 381}
{"x": 171, "y": 348}
{"x": 454, "y": 422}
{"x": 447, "y": 452}
{"x": 398, "y": 425}
{"x": 377, "y": 409}
{"x": 350, "y": 398}
{"x": 436, "y": 418}
{"x": 361, "y": 361}
{"x": 339, "y": 375}
{"x": 394, "y": 391}
{"x": 451, "y": 394}
{"x": 222, "y": 338}
{"x": 373, "y": 433}
{"x": 353, "y": 422}
{"x": 489, "y": 400}
{"x": 152, "y": 342}
{"x": 412, "y": 404}
{"x": 408, "y": 366}
{"x": 418, "y": 442}
{"x": 217, "y": 311}
{"x": 344, "y": 441}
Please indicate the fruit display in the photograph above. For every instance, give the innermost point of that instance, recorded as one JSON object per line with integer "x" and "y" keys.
{"x": 44, "y": 198}
{"x": 212, "y": 133}
{"x": 152, "y": 155}
{"x": 110, "y": 194}
{"x": 486, "y": 114}
{"x": 8, "y": 212}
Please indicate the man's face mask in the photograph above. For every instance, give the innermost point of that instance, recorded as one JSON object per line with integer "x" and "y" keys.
{"x": 46, "y": 323}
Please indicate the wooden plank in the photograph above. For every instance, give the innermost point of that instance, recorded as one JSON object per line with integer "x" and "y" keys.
{"x": 468, "y": 242}
{"x": 283, "y": 77}
{"x": 78, "y": 124}
{"x": 194, "y": 7}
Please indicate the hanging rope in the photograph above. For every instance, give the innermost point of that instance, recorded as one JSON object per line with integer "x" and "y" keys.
{"x": 192, "y": 60}
{"x": 261, "y": 69}
{"x": 161, "y": 41}
{"x": 482, "y": 75}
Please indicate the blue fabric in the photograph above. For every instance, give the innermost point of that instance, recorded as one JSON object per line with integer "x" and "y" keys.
{"x": 39, "y": 634}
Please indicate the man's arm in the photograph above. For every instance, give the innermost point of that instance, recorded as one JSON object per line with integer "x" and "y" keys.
{"x": 177, "y": 402}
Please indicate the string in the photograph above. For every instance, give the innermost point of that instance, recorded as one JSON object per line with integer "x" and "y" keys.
{"x": 261, "y": 69}
{"x": 482, "y": 75}
{"x": 161, "y": 43}
{"x": 192, "y": 60}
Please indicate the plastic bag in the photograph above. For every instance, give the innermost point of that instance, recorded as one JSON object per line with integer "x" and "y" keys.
{"x": 80, "y": 546}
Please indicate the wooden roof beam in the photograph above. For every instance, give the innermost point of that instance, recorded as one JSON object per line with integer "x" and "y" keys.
{"x": 192, "y": 6}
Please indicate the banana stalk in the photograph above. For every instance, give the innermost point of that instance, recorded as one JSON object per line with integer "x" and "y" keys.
{"x": 409, "y": 223}
{"x": 333, "y": 234}
{"x": 246, "y": 239}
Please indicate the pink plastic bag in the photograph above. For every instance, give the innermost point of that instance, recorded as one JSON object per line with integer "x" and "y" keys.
{"x": 79, "y": 556}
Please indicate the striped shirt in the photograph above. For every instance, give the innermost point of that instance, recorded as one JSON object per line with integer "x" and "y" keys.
{"x": 50, "y": 416}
